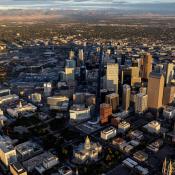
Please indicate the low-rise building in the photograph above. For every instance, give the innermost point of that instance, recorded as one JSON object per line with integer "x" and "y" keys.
{"x": 169, "y": 112}
{"x": 17, "y": 169}
{"x": 14, "y": 112}
{"x": 7, "y": 151}
{"x": 153, "y": 127}
{"x": 140, "y": 156}
{"x": 123, "y": 126}
{"x": 58, "y": 102}
{"x": 27, "y": 150}
{"x": 118, "y": 142}
{"x": 79, "y": 112}
{"x": 65, "y": 170}
{"x": 108, "y": 133}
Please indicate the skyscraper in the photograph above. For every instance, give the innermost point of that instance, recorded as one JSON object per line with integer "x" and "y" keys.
{"x": 113, "y": 100}
{"x": 147, "y": 66}
{"x": 126, "y": 97}
{"x": 71, "y": 54}
{"x": 168, "y": 94}
{"x": 141, "y": 103}
{"x": 81, "y": 55}
{"x": 169, "y": 73}
{"x": 155, "y": 90}
{"x": 112, "y": 77}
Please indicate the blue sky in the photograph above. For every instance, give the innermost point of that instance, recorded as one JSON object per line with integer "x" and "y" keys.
{"x": 13, "y": 4}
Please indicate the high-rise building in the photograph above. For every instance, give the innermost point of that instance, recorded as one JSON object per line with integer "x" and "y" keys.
{"x": 141, "y": 103}
{"x": 71, "y": 54}
{"x": 47, "y": 89}
{"x": 70, "y": 63}
{"x": 126, "y": 97}
{"x": 113, "y": 100}
{"x": 105, "y": 113}
{"x": 70, "y": 74}
{"x": 169, "y": 73}
{"x": 168, "y": 94}
{"x": 81, "y": 55}
{"x": 112, "y": 77}
{"x": 143, "y": 90}
{"x": 155, "y": 90}
{"x": 131, "y": 76}
{"x": 147, "y": 66}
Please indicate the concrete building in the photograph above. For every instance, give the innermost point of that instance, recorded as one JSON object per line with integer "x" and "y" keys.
{"x": 169, "y": 112}
{"x": 47, "y": 89}
{"x": 112, "y": 77}
{"x": 168, "y": 95}
{"x": 84, "y": 98}
{"x": 153, "y": 127}
{"x": 58, "y": 102}
{"x": 71, "y": 54}
{"x": 123, "y": 127}
{"x": 155, "y": 90}
{"x": 126, "y": 97}
{"x": 70, "y": 74}
{"x": 79, "y": 112}
{"x": 65, "y": 170}
{"x": 27, "y": 150}
{"x": 14, "y": 112}
{"x": 36, "y": 97}
{"x": 147, "y": 66}
{"x": 17, "y": 169}
{"x": 141, "y": 103}
{"x": 113, "y": 100}
{"x": 7, "y": 151}
{"x": 108, "y": 133}
{"x": 169, "y": 75}
{"x": 81, "y": 55}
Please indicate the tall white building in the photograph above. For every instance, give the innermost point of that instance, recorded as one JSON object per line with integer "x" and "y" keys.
{"x": 169, "y": 73}
{"x": 112, "y": 77}
{"x": 141, "y": 103}
{"x": 81, "y": 55}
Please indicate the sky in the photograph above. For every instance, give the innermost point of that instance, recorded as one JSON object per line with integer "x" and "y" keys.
{"x": 74, "y": 4}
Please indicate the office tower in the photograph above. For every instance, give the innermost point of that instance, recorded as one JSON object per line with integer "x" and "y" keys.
{"x": 141, "y": 103}
{"x": 112, "y": 77}
{"x": 169, "y": 73}
{"x": 126, "y": 97}
{"x": 83, "y": 74}
{"x": 105, "y": 113}
{"x": 113, "y": 100}
{"x": 143, "y": 90}
{"x": 159, "y": 68}
{"x": 147, "y": 66}
{"x": 71, "y": 54}
{"x": 70, "y": 63}
{"x": 47, "y": 89}
{"x": 81, "y": 55}
{"x": 131, "y": 76}
{"x": 155, "y": 90}
{"x": 168, "y": 94}
{"x": 70, "y": 74}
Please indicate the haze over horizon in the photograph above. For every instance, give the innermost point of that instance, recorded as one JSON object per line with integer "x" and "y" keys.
{"x": 85, "y": 4}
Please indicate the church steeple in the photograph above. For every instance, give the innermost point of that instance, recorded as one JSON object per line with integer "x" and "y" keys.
{"x": 87, "y": 144}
